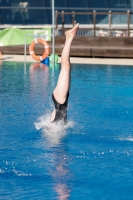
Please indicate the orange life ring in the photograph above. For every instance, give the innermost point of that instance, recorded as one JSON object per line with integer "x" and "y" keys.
{"x": 46, "y": 52}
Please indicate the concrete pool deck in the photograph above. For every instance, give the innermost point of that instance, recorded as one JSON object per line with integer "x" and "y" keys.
{"x": 76, "y": 60}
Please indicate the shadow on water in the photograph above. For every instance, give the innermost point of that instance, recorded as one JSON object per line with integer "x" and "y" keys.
{"x": 57, "y": 157}
{"x": 57, "y": 163}
{"x": 59, "y": 171}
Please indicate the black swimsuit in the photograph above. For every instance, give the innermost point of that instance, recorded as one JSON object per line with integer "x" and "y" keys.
{"x": 60, "y": 110}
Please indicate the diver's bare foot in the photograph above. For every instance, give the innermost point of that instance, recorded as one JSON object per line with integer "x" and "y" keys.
{"x": 70, "y": 33}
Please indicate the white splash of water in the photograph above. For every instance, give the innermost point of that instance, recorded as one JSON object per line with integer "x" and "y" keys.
{"x": 53, "y": 132}
{"x": 127, "y": 139}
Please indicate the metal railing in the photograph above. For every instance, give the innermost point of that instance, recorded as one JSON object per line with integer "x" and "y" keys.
{"x": 95, "y": 27}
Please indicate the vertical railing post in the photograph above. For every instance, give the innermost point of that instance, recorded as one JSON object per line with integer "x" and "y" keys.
{"x": 62, "y": 22}
{"x": 110, "y": 22}
{"x": 25, "y": 45}
{"x": 128, "y": 28}
{"x": 53, "y": 31}
{"x": 94, "y": 22}
{"x": 73, "y": 18}
{"x": 56, "y": 14}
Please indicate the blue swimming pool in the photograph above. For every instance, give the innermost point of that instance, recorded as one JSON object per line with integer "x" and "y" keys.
{"x": 91, "y": 159}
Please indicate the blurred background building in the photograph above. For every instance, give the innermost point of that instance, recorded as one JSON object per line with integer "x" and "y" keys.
{"x": 33, "y": 12}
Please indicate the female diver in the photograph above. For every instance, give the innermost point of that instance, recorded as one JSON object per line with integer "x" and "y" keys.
{"x": 61, "y": 92}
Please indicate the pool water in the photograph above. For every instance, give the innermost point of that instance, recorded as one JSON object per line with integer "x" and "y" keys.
{"x": 92, "y": 158}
